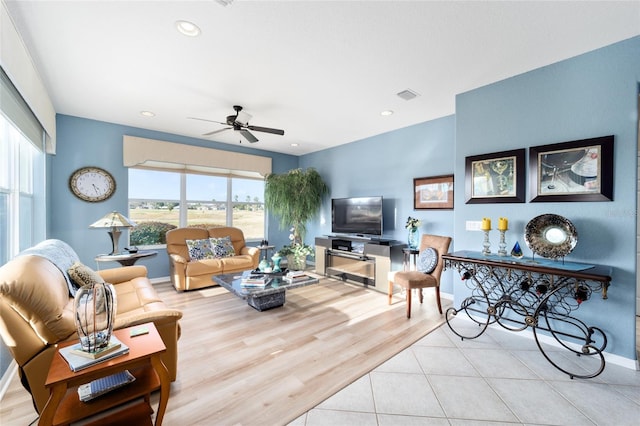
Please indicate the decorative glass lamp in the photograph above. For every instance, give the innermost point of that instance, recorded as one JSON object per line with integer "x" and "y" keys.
{"x": 113, "y": 220}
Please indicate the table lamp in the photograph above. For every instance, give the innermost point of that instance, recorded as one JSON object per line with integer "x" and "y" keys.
{"x": 113, "y": 220}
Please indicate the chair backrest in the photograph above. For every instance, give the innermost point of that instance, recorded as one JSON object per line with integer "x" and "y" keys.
{"x": 441, "y": 244}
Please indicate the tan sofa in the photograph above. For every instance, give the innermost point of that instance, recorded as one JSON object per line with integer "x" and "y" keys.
{"x": 187, "y": 274}
{"x": 36, "y": 312}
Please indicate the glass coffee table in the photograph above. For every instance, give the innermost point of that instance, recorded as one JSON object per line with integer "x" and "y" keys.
{"x": 261, "y": 298}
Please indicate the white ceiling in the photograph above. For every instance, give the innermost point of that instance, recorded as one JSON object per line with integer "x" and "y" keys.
{"x": 321, "y": 70}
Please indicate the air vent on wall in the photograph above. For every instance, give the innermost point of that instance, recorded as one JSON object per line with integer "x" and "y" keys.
{"x": 408, "y": 94}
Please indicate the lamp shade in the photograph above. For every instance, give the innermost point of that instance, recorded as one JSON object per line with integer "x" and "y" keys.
{"x": 113, "y": 220}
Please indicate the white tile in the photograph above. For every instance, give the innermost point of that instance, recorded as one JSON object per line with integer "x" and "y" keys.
{"x": 404, "y": 394}
{"x": 600, "y": 402}
{"x": 355, "y": 397}
{"x": 443, "y": 361}
{"x": 438, "y": 337}
{"x": 404, "y": 362}
{"x": 470, "y": 398}
{"x": 394, "y": 420}
{"x": 535, "y": 401}
{"x": 498, "y": 363}
{"x": 318, "y": 417}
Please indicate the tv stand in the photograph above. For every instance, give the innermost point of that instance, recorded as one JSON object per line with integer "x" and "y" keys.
{"x": 360, "y": 260}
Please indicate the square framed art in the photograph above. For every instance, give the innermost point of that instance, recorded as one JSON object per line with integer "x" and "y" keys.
{"x": 498, "y": 177}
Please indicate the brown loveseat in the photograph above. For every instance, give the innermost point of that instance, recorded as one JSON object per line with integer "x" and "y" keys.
{"x": 36, "y": 311}
{"x": 188, "y": 274}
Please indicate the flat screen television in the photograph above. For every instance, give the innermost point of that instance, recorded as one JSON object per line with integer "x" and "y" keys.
{"x": 357, "y": 216}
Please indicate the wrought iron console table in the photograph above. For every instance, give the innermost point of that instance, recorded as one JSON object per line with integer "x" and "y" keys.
{"x": 541, "y": 294}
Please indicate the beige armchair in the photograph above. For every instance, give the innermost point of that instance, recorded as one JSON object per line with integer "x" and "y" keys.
{"x": 36, "y": 312}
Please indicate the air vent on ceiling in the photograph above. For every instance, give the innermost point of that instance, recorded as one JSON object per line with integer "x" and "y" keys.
{"x": 408, "y": 94}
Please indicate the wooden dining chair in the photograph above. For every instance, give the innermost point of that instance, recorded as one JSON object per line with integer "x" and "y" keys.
{"x": 418, "y": 279}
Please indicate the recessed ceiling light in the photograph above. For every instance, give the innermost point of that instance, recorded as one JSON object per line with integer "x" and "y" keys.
{"x": 188, "y": 28}
{"x": 386, "y": 112}
{"x": 147, "y": 113}
{"x": 294, "y": 144}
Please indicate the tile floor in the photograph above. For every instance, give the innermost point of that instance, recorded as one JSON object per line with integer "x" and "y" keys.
{"x": 499, "y": 378}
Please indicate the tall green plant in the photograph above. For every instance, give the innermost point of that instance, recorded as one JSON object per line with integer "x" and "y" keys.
{"x": 295, "y": 197}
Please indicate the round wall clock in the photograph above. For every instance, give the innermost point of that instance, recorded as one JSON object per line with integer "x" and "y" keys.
{"x": 92, "y": 184}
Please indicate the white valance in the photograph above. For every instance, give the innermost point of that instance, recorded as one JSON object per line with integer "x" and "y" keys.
{"x": 18, "y": 65}
{"x": 160, "y": 155}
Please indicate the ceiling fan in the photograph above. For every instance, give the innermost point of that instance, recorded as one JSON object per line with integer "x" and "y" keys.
{"x": 240, "y": 122}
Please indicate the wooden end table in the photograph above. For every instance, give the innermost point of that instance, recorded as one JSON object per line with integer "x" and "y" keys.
{"x": 143, "y": 361}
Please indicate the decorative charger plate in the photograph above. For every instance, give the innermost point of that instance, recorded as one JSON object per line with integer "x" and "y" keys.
{"x": 551, "y": 236}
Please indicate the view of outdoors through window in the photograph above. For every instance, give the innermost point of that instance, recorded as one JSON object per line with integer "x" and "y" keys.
{"x": 154, "y": 204}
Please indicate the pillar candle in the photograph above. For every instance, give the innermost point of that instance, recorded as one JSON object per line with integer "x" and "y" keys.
{"x": 503, "y": 224}
{"x": 486, "y": 224}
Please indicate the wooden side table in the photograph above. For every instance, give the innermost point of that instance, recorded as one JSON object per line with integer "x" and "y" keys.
{"x": 143, "y": 361}
{"x": 126, "y": 259}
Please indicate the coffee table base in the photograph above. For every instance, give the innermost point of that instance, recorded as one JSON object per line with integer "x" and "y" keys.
{"x": 268, "y": 301}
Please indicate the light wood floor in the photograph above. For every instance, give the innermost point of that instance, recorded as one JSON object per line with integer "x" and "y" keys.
{"x": 241, "y": 366}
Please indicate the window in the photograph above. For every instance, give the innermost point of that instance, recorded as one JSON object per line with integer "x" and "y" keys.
{"x": 162, "y": 200}
{"x": 21, "y": 190}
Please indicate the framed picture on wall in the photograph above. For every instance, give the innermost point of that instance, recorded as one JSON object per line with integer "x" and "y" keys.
{"x": 572, "y": 171}
{"x": 434, "y": 192}
{"x": 495, "y": 178}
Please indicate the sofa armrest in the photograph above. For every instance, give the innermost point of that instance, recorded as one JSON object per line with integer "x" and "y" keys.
{"x": 158, "y": 316}
{"x": 178, "y": 259}
{"x": 123, "y": 274}
{"x": 251, "y": 251}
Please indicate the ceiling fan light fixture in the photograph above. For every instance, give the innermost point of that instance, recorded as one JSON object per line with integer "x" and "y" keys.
{"x": 188, "y": 28}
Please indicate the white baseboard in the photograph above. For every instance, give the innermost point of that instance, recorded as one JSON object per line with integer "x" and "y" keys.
{"x": 159, "y": 280}
{"x": 11, "y": 371}
{"x": 631, "y": 364}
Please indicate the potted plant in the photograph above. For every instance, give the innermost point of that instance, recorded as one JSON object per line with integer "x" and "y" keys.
{"x": 295, "y": 197}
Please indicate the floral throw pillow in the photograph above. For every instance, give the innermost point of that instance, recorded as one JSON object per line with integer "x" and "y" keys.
{"x": 427, "y": 260}
{"x": 222, "y": 247}
{"x": 199, "y": 249}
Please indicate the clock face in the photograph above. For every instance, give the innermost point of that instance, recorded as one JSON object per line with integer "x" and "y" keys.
{"x": 92, "y": 184}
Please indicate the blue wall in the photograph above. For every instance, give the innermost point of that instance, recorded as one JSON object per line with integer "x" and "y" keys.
{"x": 386, "y": 165}
{"x": 83, "y": 142}
{"x": 595, "y": 94}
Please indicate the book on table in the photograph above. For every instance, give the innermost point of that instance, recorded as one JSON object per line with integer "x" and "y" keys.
{"x": 250, "y": 279}
{"x": 100, "y": 386}
{"x": 114, "y": 345}
{"x": 297, "y": 278}
{"x": 79, "y": 362}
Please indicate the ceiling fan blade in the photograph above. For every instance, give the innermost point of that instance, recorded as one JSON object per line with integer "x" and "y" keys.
{"x": 204, "y": 119}
{"x": 266, "y": 130}
{"x": 248, "y": 136}
{"x": 216, "y": 131}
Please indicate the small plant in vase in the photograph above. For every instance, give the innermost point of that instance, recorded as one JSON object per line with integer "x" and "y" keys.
{"x": 412, "y": 225}
{"x": 296, "y": 252}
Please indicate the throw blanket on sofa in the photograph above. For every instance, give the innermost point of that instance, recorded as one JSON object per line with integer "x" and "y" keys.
{"x": 60, "y": 254}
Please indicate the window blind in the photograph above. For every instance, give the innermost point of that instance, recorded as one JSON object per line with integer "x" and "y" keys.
{"x": 160, "y": 155}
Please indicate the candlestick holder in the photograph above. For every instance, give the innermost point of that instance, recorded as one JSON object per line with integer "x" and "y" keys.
{"x": 502, "y": 246}
{"x": 486, "y": 244}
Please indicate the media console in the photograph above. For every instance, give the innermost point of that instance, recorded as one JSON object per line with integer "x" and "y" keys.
{"x": 366, "y": 261}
